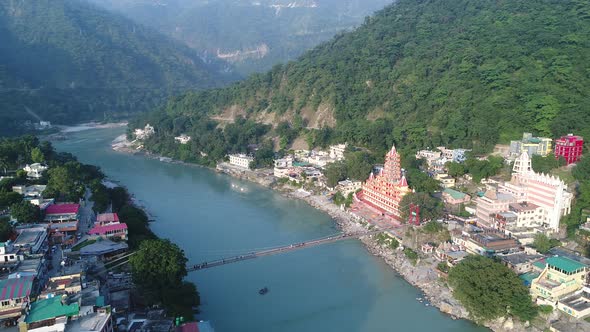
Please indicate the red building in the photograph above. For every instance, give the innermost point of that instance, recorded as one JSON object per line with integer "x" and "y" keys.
{"x": 569, "y": 147}
{"x": 385, "y": 191}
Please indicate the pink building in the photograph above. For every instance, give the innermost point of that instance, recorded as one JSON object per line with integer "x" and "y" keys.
{"x": 569, "y": 147}
{"x": 546, "y": 191}
{"x": 490, "y": 204}
{"x": 385, "y": 191}
{"x": 118, "y": 230}
{"x": 107, "y": 218}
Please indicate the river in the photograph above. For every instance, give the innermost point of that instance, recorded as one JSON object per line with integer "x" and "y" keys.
{"x": 334, "y": 287}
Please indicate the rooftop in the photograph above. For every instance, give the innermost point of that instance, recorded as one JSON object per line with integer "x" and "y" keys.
{"x": 101, "y": 230}
{"x": 519, "y": 258}
{"x": 454, "y": 193}
{"x": 62, "y": 209}
{"x": 102, "y": 247}
{"x": 528, "y": 277}
{"x": 51, "y": 308}
{"x": 565, "y": 264}
{"x": 93, "y": 322}
{"x": 107, "y": 217}
{"x": 15, "y": 288}
{"x": 579, "y": 301}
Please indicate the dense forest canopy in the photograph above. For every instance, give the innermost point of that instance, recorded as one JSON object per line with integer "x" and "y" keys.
{"x": 425, "y": 73}
{"x": 68, "y": 61}
{"x": 252, "y": 35}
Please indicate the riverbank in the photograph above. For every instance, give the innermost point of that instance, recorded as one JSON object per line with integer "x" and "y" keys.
{"x": 422, "y": 275}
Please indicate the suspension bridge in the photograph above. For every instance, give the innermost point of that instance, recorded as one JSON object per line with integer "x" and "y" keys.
{"x": 282, "y": 249}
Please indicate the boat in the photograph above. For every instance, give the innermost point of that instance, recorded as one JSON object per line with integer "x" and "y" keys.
{"x": 263, "y": 291}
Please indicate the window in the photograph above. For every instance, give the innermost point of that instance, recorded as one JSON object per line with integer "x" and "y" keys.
{"x": 5, "y": 303}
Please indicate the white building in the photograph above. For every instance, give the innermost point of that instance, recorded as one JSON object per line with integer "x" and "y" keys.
{"x": 337, "y": 151}
{"x": 241, "y": 160}
{"x": 32, "y": 191}
{"x": 347, "y": 186}
{"x": 284, "y": 162}
{"x": 547, "y": 191}
{"x": 182, "y": 139}
{"x": 144, "y": 133}
{"x": 35, "y": 171}
{"x": 9, "y": 254}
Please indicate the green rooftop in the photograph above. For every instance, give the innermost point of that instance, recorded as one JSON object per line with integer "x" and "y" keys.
{"x": 50, "y": 308}
{"x": 454, "y": 193}
{"x": 99, "y": 301}
{"x": 528, "y": 277}
{"x": 540, "y": 264}
{"x": 565, "y": 264}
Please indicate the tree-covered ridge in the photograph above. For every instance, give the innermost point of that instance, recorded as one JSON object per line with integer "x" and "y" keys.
{"x": 431, "y": 72}
{"x": 68, "y": 61}
{"x": 281, "y": 30}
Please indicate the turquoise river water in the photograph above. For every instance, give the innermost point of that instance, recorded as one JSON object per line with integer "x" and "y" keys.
{"x": 334, "y": 287}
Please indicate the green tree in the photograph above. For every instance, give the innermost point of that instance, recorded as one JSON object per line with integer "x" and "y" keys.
{"x": 489, "y": 290}
{"x": 37, "y": 155}
{"x": 335, "y": 172}
{"x": 5, "y": 229}
{"x": 9, "y": 198}
{"x": 25, "y": 212}
{"x": 63, "y": 181}
{"x": 455, "y": 169}
{"x": 156, "y": 266}
{"x": 430, "y": 207}
{"x": 543, "y": 244}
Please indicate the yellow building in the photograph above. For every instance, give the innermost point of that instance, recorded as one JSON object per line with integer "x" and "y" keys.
{"x": 561, "y": 276}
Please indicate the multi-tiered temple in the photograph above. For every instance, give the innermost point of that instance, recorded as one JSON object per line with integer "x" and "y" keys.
{"x": 385, "y": 191}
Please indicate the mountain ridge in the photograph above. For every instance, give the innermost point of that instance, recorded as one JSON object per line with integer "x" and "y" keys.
{"x": 428, "y": 73}
{"x": 71, "y": 61}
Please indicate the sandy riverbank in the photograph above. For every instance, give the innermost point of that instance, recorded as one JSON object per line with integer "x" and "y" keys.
{"x": 90, "y": 125}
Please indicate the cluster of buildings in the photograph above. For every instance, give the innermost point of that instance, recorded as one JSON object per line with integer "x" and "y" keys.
{"x": 569, "y": 147}
{"x": 436, "y": 159}
{"x": 43, "y": 288}
{"x": 529, "y": 203}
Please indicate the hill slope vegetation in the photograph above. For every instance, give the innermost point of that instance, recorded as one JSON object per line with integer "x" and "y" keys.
{"x": 421, "y": 73}
{"x": 69, "y": 61}
{"x": 252, "y": 35}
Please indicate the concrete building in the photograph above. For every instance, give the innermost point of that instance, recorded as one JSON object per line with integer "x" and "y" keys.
{"x": 446, "y": 181}
{"x": 241, "y": 160}
{"x": 62, "y": 212}
{"x": 113, "y": 230}
{"x": 385, "y": 191}
{"x": 35, "y": 171}
{"x": 570, "y": 148}
{"x": 99, "y": 321}
{"x": 528, "y": 215}
{"x": 182, "y": 139}
{"x": 14, "y": 297}
{"x": 486, "y": 243}
{"x": 520, "y": 262}
{"x": 30, "y": 240}
{"x": 347, "y": 186}
{"x": 337, "y": 151}
{"x": 9, "y": 255}
{"x": 490, "y": 204}
{"x": 561, "y": 276}
{"x": 547, "y": 191}
{"x": 532, "y": 145}
{"x": 455, "y": 197}
{"x": 577, "y": 304}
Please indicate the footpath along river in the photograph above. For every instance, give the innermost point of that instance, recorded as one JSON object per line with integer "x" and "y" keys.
{"x": 334, "y": 287}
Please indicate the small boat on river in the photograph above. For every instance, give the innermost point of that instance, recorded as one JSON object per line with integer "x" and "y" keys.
{"x": 263, "y": 291}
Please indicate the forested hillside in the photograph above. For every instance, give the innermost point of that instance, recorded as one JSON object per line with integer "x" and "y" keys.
{"x": 420, "y": 73}
{"x": 252, "y": 35}
{"x": 68, "y": 61}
